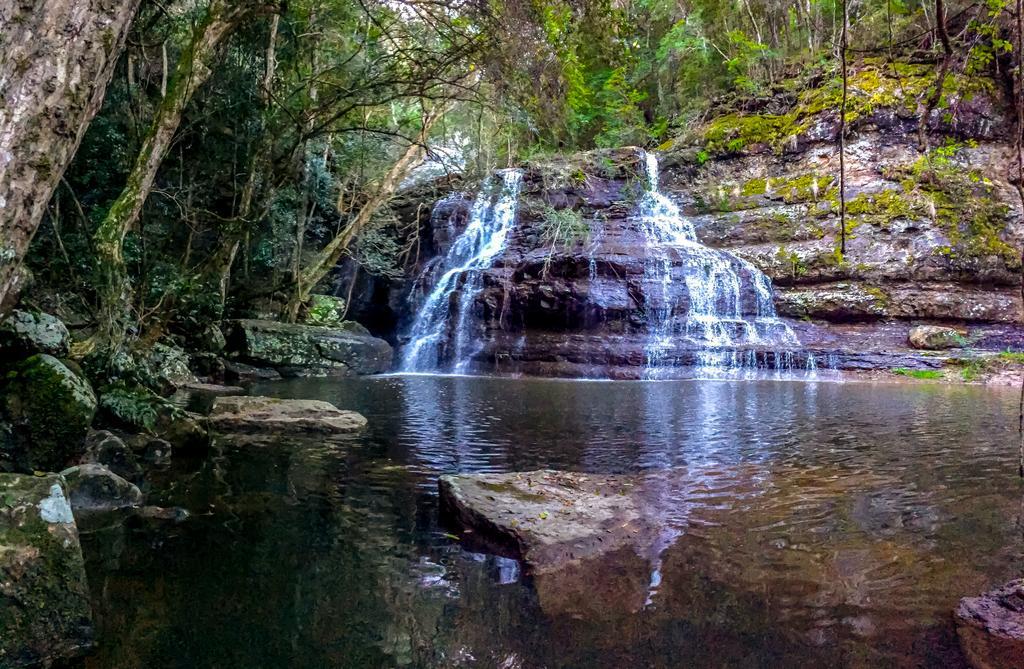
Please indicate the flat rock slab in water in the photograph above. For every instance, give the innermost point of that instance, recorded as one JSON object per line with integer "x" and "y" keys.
{"x": 549, "y": 518}
{"x": 991, "y": 627}
{"x": 44, "y": 603}
{"x": 257, "y": 415}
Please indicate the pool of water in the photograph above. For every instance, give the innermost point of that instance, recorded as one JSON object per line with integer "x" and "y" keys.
{"x": 813, "y": 524}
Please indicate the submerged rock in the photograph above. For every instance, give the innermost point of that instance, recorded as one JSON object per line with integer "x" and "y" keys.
{"x": 935, "y": 337}
{"x": 991, "y": 627}
{"x": 44, "y": 602}
{"x": 585, "y": 539}
{"x": 254, "y": 415}
{"x": 304, "y": 350}
{"x": 23, "y": 333}
{"x": 49, "y": 408}
{"x": 93, "y": 487}
{"x": 548, "y": 518}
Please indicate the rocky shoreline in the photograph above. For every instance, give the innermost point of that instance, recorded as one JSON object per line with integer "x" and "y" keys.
{"x": 74, "y": 455}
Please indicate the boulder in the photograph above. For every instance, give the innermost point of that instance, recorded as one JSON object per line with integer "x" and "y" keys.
{"x": 304, "y": 350}
{"x": 239, "y": 372}
{"x": 24, "y": 333}
{"x": 167, "y": 368}
{"x": 45, "y": 616}
{"x": 935, "y": 337}
{"x": 93, "y": 487}
{"x": 548, "y": 518}
{"x": 49, "y": 409}
{"x": 991, "y": 627}
{"x": 255, "y": 415}
{"x": 107, "y": 449}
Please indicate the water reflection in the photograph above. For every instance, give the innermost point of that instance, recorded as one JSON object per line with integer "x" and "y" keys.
{"x": 817, "y": 524}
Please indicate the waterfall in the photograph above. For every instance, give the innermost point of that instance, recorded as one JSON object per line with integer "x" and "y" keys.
{"x": 491, "y": 218}
{"x": 715, "y": 282}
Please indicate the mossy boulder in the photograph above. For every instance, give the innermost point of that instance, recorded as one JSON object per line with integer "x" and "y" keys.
{"x": 24, "y": 333}
{"x": 304, "y": 350}
{"x": 167, "y": 368}
{"x": 49, "y": 409}
{"x": 45, "y": 616}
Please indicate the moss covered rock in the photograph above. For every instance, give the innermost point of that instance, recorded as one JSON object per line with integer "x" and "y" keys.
{"x": 44, "y": 603}
{"x": 49, "y": 408}
{"x": 303, "y": 350}
{"x": 23, "y": 333}
{"x": 167, "y": 367}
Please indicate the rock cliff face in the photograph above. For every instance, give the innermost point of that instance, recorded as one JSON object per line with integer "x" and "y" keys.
{"x": 932, "y": 236}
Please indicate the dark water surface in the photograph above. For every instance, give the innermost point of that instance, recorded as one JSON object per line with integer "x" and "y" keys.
{"x": 817, "y": 524}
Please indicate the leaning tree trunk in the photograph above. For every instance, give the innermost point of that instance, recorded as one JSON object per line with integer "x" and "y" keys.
{"x": 56, "y": 59}
{"x": 193, "y": 69}
{"x": 327, "y": 258}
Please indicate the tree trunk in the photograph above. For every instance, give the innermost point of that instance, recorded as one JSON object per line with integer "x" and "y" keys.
{"x": 191, "y": 72}
{"x": 56, "y": 59}
{"x": 220, "y": 262}
{"x": 329, "y": 256}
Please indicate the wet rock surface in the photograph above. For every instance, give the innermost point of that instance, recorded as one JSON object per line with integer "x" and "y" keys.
{"x": 239, "y": 372}
{"x": 45, "y": 616}
{"x": 305, "y": 350}
{"x": 991, "y": 627}
{"x": 549, "y": 518}
{"x": 268, "y": 415}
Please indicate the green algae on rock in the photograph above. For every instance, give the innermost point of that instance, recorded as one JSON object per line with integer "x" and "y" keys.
{"x": 49, "y": 408}
{"x": 45, "y": 615}
{"x": 305, "y": 350}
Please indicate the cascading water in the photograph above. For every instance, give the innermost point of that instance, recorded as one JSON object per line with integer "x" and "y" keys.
{"x": 491, "y": 218}
{"x": 715, "y": 280}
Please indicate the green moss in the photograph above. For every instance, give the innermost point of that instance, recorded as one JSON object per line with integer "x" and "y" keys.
{"x": 874, "y": 84}
{"x": 884, "y": 207}
{"x": 926, "y": 374}
{"x": 733, "y": 133}
{"x": 50, "y": 407}
{"x": 754, "y": 187}
{"x": 1013, "y": 357}
{"x": 881, "y": 297}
